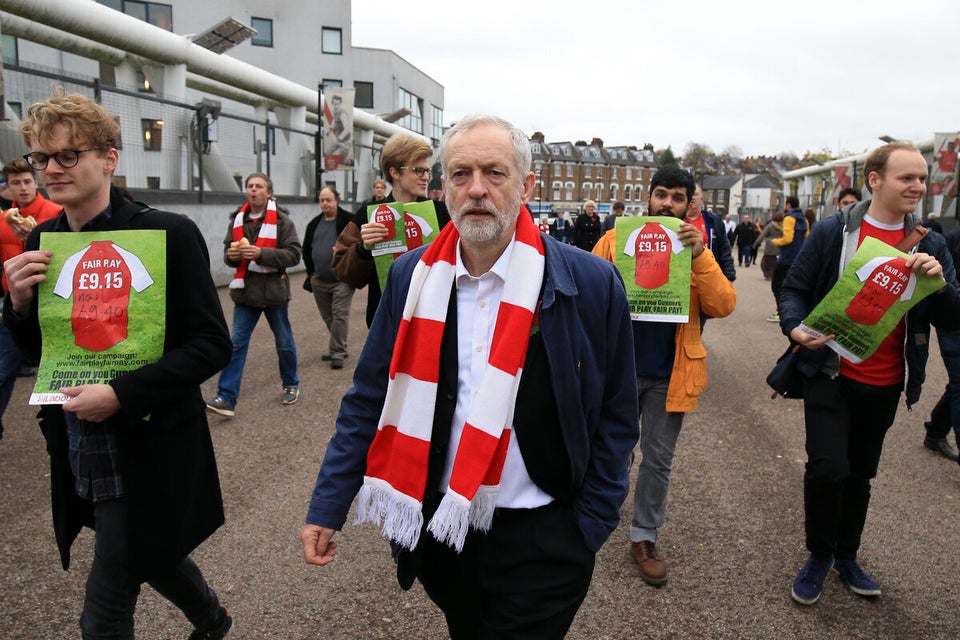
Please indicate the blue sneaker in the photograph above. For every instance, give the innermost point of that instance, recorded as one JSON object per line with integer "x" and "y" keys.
{"x": 859, "y": 581}
{"x": 808, "y": 585}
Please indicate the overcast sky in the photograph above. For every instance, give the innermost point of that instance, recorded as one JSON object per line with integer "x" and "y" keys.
{"x": 767, "y": 76}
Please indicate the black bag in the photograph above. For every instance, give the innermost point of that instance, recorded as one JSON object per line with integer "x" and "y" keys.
{"x": 785, "y": 379}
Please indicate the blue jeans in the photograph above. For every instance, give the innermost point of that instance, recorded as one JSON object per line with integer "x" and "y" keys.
{"x": 244, "y": 321}
{"x": 946, "y": 413}
{"x": 659, "y": 431}
{"x": 11, "y": 359}
{"x": 111, "y": 597}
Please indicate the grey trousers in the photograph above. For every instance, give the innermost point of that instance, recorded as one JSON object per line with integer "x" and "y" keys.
{"x": 333, "y": 301}
{"x": 659, "y": 430}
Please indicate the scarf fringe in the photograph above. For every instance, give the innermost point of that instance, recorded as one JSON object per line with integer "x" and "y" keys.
{"x": 379, "y": 503}
{"x": 450, "y": 523}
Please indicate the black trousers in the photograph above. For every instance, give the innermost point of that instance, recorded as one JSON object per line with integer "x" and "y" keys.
{"x": 776, "y": 281}
{"x": 110, "y": 600}
{"x": 846, "y": 422}
{"x": 525, "y": 578}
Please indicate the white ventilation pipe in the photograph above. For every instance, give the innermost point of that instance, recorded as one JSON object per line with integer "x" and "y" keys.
{"x": 101, "y": 24}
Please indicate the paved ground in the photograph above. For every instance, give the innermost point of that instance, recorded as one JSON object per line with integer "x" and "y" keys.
{"x": 733, "y": 536}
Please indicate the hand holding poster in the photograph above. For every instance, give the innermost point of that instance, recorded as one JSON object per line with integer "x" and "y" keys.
{"x": 420, "y": 227}
{"x": 868, "y": 301}
{"x": 655, "y": 266}
{"x": 390, "y": 215}
{"x": 101, "y": 308}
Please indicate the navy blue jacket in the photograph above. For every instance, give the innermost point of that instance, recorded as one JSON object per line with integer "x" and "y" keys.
{"x": 824, "y": 255}
{"x": 719, "y": 243}
{"x": 585, "y": 324}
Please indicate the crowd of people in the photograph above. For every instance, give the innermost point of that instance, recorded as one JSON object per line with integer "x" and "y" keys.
{"x": 502, "y": 390}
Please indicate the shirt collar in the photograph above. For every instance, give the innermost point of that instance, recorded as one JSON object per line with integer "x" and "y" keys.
{"x": 498, "y": 269}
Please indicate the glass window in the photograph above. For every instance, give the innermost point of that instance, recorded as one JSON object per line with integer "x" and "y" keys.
{"x": 331, "y": 40}
{"x": 569, "y": 190}
{"x": 136, "y": 9}
{"x": 332, "y": 82}
{"x": 436, "y": 123}
{"x": 588, "y": 171}
{"x": 11, "y": 54}
{"x": 627, "y": 192}
{"x": 160, "y": 15}
{"x": 153, "y": 183}
{"x": 414, "y": 121}
{"x": 556, "y": 190}
{"x": 264, "y": 29}
{"x": 613, "y": 191}
{"x": 569, "y": 170}
{"x": 157, "y": 14}
{"x": 143, "y": 85}
{"x": 363, "y": 98}
{"x": 152, "y": 134}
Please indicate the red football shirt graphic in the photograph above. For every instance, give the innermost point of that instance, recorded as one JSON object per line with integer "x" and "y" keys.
{"x": 652, "y": 245}
{"x": 886, "y": 280}
{"x": 100, "y": 278}
{"x": 416, "y": 229}
{"x": 386, "y": 216}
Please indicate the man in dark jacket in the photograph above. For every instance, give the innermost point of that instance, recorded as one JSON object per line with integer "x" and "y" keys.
{"x": 261, "y": 244}
{"x": 333, "y": 297}
{"x": 131, "y": 458}
{"x": 848, "y": 406}
{"x": 500, "y": 527}
{"x": 746, "y": 234}
{"x": 946, "y": 414}
{"x": 714, "y": 233}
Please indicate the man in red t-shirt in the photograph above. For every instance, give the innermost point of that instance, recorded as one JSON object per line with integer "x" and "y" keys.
{"x": 847, "y": 415}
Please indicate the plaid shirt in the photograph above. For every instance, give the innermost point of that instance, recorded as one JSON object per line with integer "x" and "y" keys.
{"x": 93, "y": 450}
{"x": 94, "y": 458}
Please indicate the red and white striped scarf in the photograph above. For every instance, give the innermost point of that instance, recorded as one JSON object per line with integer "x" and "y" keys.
{"x": 266, "y": 238}
{"x": 396, "y": 475}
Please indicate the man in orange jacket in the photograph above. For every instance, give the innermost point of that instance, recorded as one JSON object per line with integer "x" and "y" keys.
{"x": 22, "y": 187}
{"x": 671, "y": 368}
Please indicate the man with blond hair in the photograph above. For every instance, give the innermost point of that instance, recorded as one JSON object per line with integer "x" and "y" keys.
{"x": 132, "y": 458}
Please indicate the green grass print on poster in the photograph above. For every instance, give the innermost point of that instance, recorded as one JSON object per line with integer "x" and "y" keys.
{"x": 102, "y": 308}
{"x": 655, "y": 267}
{"x": 868, "y": 301}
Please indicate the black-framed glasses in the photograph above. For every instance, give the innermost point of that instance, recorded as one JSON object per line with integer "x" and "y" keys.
{"x": 422, "y": 172}
{"x": 66, "y": 158}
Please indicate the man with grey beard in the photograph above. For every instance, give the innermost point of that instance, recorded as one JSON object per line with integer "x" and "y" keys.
{"x": 493, "y": 409}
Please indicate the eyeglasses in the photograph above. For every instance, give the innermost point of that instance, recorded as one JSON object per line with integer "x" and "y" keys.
{"x": 66, "y": 158}
{"x": 422, "y": 172}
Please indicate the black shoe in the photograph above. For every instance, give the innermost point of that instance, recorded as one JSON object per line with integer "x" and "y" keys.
{"x": 336, "y": 363}
{"x": 941, "y": 446}
{"x": 217, "y": 633}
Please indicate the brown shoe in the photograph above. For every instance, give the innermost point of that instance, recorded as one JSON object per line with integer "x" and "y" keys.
{"x": 653, "y": 570}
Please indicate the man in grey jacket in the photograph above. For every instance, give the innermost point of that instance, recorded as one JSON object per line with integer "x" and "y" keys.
{"x": 261, "y": 243}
